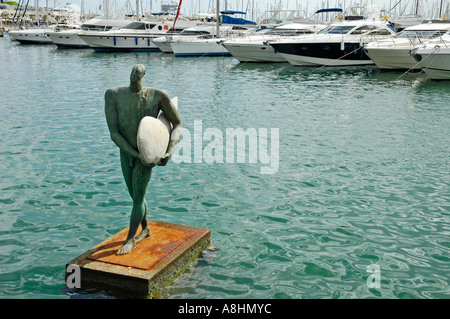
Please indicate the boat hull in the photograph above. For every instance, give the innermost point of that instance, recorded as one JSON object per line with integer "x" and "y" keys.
{"x": 199, "y": 48}
{"x": 30, "y": 36}
{"x": 66, "y": 40}
{"x": 323, "y": 53}
{"x": 164, "y": 45}
{"x": 123, "y": 43}
{"x": 253, "y": 52}
{"x": 392, "y": 58}
{"x": 435, "y": 62}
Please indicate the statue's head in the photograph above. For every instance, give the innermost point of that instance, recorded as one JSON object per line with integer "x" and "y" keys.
{"x": 137, "y": 73}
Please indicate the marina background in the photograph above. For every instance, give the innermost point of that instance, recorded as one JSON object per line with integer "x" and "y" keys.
{"x": 363, "y": 176}
{"x": 190, "y": 7}
{"x": 254, "y": 9}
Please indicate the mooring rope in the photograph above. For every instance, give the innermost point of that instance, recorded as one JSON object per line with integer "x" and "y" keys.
{"x": 415, "y": 65}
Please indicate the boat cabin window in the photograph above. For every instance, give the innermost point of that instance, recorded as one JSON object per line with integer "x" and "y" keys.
{"x": 380, "y": 32}
{"x": 288, "y": 32}
{"x": 363, "y": 29}
{"x": 207, "y": 36}
{"x": 93, "y": 27}
{"x": 235, "y": 27}
{"x": 135, "y": 26}
{"x": 175, "y": 30}
{"x": 423, "y": 34}
{"x": 340, "y": 29}
{"x": 194, "y": 32}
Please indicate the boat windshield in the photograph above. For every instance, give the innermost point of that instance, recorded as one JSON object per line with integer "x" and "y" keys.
{"x": 93, "y": 27}
{"x": 422, "y": 34}
{"x": 288, "y": 32}
{"x": 336, "y": 29}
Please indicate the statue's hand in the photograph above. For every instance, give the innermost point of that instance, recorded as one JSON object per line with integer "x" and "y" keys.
{"x": 164, "y": 160}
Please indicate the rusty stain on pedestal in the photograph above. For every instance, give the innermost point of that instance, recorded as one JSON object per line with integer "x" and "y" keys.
{"x": 152, "y": 262}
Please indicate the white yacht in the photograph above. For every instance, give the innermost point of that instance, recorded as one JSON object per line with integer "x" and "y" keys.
{"x": 164, "y": 43}
{"x": 209, "y": 44}
{"x": 136, "y": 36}
{"x": 339, "y": 44}
{"x": 70, "y": 38}
{"x": 255, "y": 48}
{"x": 38, "y": 35}
{"x": 433, "y": 57}
{"x": 393, "y": 53}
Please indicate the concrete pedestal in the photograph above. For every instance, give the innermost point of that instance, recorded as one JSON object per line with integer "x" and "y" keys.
{"x": 154, "y": 263}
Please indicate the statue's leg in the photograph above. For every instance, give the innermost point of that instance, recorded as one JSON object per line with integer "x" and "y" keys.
{"x": 127, "y": 171}
{"x": 145, "y": 230}
{"x": 140, "y": 178}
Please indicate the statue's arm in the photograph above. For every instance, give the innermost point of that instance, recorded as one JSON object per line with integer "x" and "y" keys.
{"x": 113, "y": 124}
{"x": 172, "y": 115}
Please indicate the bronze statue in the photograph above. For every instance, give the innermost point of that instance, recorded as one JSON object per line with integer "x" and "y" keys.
{"x": 124, "y": 109}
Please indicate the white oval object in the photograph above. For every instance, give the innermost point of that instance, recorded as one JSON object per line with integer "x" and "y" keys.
{"x": 153, "y": 137}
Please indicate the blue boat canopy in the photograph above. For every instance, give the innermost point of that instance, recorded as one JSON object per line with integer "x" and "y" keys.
{"x": 162, "y": 13}
{"x": 329, "y": 10}
{"x": 232, "y": 12}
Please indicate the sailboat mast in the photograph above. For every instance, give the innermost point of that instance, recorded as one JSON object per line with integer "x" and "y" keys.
{"x": 106, "y": 8}
{"x": 217, "y": 17}
{"x": 36, "y": 9}
{"x": 137, "y": 10}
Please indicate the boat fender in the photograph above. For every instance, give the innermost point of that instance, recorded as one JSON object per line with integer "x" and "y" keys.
{"x": 136, "y": 40}
{"x": 114, "y": 38}
{"x": 166, "y": 27}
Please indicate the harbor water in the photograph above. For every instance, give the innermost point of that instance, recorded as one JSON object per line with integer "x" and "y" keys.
{"x": 356, "y": 203}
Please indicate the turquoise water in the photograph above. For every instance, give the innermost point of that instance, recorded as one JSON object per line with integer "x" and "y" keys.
{"x": 363, "y": 176}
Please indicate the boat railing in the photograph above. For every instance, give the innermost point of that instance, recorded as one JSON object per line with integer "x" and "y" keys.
{"x": 443, "y": 41}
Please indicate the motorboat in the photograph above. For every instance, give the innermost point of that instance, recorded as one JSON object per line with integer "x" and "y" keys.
{"x": 255, "y": 48}
{"x": 164, "y": 43}
{"x": 433, "y": 57}
{"x": 38, "y": 35}
{"x": 70, "y": 39}
{"x": 208, "y": 45}
{"x": 136, "y": 36}
{"x": 393, "y": 53}
{"x": 339, "y": 44}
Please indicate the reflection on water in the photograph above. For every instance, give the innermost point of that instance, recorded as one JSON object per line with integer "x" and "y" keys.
{"x": 363, "y": 176}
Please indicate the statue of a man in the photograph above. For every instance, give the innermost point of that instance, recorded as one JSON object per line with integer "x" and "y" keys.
{"x": 124, "y": 109}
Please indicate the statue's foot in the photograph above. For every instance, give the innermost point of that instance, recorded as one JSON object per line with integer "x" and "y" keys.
{"x": 145, "y": 233}
{"x": 127, "y": 247}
